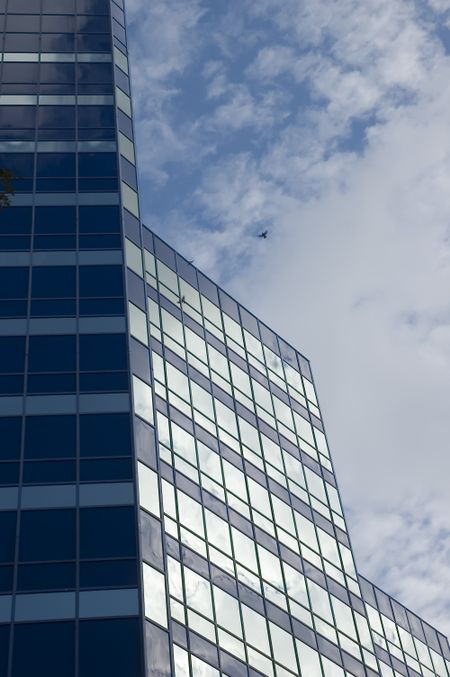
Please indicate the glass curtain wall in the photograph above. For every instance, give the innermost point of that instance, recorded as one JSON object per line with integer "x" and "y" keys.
{"x": 69, "y": 560}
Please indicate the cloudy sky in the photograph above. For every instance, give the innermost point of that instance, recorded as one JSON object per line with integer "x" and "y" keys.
{"x": 328, "y": 123}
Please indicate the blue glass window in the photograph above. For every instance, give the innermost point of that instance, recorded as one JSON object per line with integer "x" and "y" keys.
{"x": 58, "y": 6}
{"x": 51, "y": 383}
{"x": 122, "y": 81}
{"x": 96, "y": 134}
{"x": 103, "y": 352}
{"x": 125, "y": 124}
{"x": 93, "y": 24}
{"x": 158, "y": 650}
{"x": 110, "y": 648}
{"x": 96, "y": 116}
{"x": 94, "y": 43}
{"x": 4, "y": 648}
{"x": 106, "y": 469}
{"x": 25, "y": 7}
{"x": 6, "y": 585}
{"x": 21, "y": 165}
{"x": 53, "y": 308}
{"x": 10, "y": 385}
{"x": 56, "y": 116}
{"x": 47, "y": 535}
{"x": 50, "y": 436}
{"x": 107, "y": 532}
{"x": 22, "y": 42}
{"x": 104, "y": 381}
{"x": 8, "y": 522}
{"x": 58, "y": 220}
{"x": 62, "y": 23}
{"x": 52, "y": 353}
{"x": 49, "y": 472}
{"x": 15, "y": 242}
{"x": 56, "y": 165}
{"x": 58, "y": 72}
{"x": 59, "y": 576}
{"x": 23, "y": 23}
{"x": 44, "y": 650}
{"x": 105, "y": 435}
{"x": 98, "y": 287}
{"x": 117, "y": 573}
{"x": 9, "y": 473}
{"x": 10, "y": 436}
{"x": 18, "y": 117}
{"x": 128, "y": 172}
{"x": 55, "y": 220}
{"x": 49, "y": 242}
{"x": 96, "y": 122}
{"x": 99, "y": 220}
{"x": 151, "y": 541}
{"x": 20, "y": 72}
{"x": 93, "y": 6}
{"x": 12, "y": 354}
{"x": 98, "y": 281}
{"x": 93, "y": 73}
{"x": 13, "y": 283}
{"x": 58, "y": 42}
{"x": 16, "y": 220}
{"x": 53, "y": 281}
{"x": 97, "y": 164}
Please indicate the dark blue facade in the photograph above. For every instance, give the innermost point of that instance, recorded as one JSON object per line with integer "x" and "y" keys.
{"x": 168, "y": 505}
{"x": 69, "y": 575}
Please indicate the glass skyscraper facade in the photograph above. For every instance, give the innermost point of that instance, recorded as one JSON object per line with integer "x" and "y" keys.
{"x": 168, "y": 505}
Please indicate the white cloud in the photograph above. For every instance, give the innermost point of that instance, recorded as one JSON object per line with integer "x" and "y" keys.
{"x": 421, "y": 529}
{"x": 271, "y": 61}
{"x": 163, "y": 32}
{"x": 439, "y": 5}
{"x": 162, "y": 49}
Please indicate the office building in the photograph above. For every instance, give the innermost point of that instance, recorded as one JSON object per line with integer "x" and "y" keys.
{"x": 168, "y": 505}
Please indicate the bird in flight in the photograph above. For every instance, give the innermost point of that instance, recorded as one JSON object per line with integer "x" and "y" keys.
{"x": 264, "y": 234}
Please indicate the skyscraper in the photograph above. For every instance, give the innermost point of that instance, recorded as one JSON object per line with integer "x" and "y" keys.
{"x": 168, "y": 505}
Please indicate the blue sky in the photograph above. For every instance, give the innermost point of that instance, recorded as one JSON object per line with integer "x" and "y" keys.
{"x": 326, "y": 123}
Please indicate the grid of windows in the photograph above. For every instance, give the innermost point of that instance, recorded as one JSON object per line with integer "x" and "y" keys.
{"x": 50, "y": 453}
{"x": 69, "y": 559}
{"x": 60, "y": 228}
{"x": 52, "y": 363}
{"x": 267, "y": 490}
{"x": 60, "y": 291}
{"x": 404, "y": 643}
{"x": 62, "y": 172}
{"x": 56, "y": 119}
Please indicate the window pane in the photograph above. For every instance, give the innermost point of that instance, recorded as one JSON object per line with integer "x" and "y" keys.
{"x": 155, "y": 595}
{"x": 47, "y": 535}
{"x": 107, "y": 532}
{"x": 50, "y": 436}
{"x": 44, "y": 650}
{"x": 110, "y": 648}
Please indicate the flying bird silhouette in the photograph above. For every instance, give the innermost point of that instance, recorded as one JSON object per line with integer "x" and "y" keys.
{"x": 264, "y": 234}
